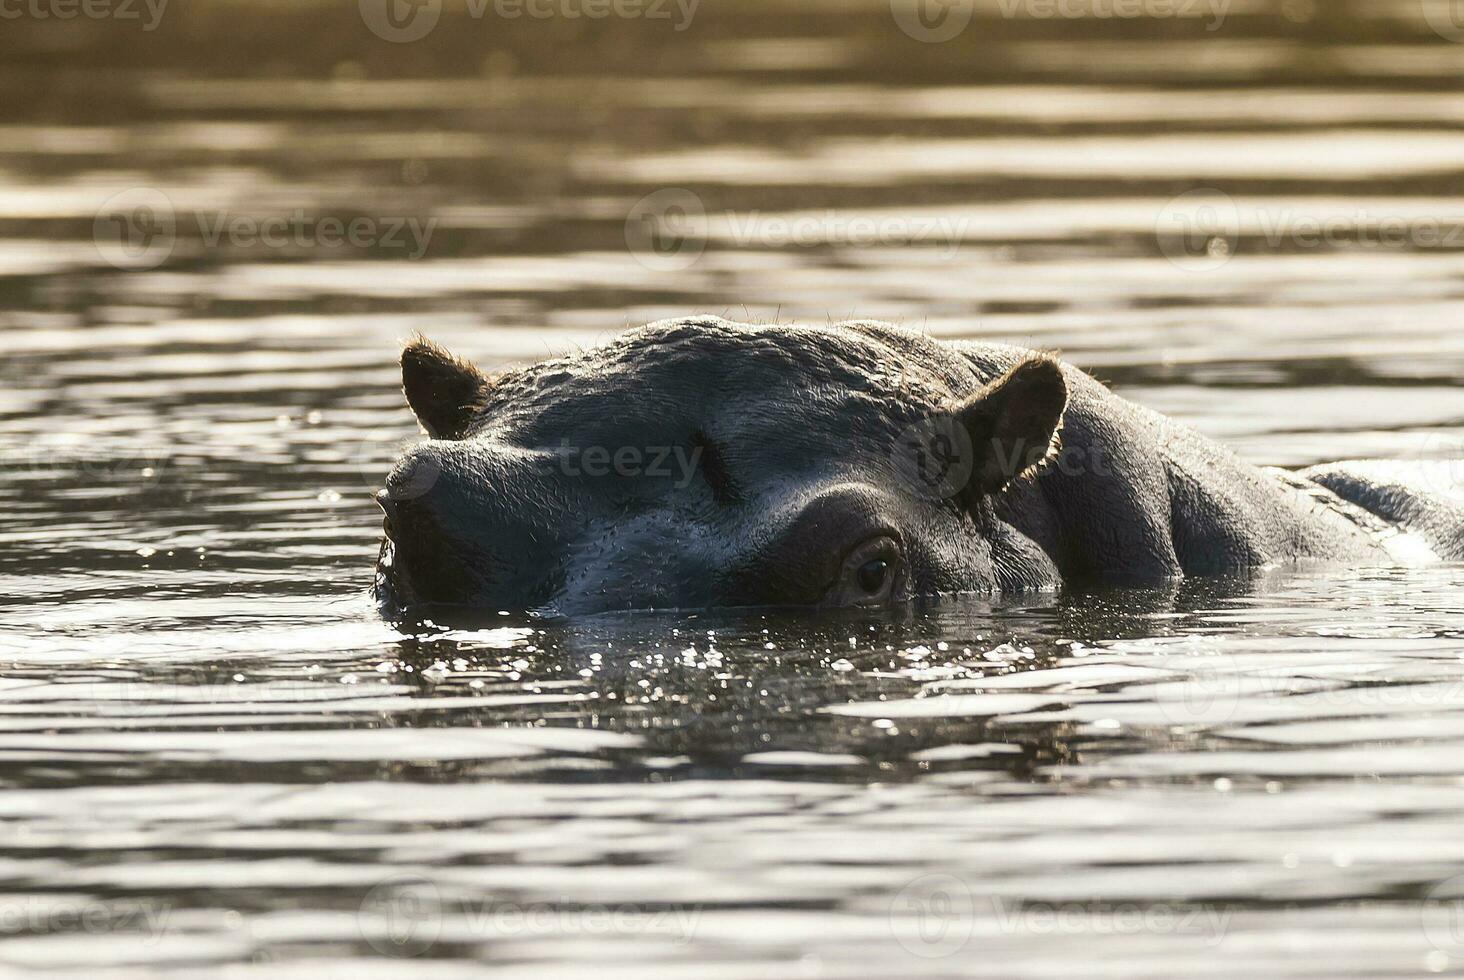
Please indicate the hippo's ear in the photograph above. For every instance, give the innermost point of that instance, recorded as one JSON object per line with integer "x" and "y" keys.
{"x": 442, "y": 390}
{"x": 1014, "y": 422}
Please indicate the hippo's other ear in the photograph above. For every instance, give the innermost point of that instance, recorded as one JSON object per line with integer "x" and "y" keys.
{"x": 442, "y": 390}
{"x": 1014, "y": 422}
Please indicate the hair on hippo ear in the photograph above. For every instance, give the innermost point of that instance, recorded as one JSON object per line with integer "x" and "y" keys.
{"x": 442, "y": 390}
{"x": 1014, "y": 423}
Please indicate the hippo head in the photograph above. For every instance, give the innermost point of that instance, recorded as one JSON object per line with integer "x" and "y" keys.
{"x": 698, "y": 463}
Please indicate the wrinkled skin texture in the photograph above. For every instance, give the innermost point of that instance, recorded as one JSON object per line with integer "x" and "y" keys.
{"x": 699, "y": 462}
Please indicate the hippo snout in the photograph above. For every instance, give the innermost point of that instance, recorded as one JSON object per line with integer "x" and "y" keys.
{"x": 470, "y": 523}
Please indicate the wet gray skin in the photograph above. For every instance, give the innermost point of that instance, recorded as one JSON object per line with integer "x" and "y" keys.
{"x": 699, "y": 462}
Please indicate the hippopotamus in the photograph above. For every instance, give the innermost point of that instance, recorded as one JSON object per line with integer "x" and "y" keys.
{"x": 699, "y": 462}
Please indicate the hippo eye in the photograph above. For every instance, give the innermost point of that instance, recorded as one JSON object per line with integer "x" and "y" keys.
{"x": 869, "y": 574}
{"x": 872, "y": 575}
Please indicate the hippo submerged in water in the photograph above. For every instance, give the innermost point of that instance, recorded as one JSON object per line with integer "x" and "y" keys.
{"x": 700, "y": 462}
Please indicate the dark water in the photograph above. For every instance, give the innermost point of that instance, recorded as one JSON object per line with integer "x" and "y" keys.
{"x": 216, "y": 760}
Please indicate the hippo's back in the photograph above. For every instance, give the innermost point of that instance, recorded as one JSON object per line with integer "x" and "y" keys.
{"x": 1422, "y": 496}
